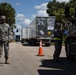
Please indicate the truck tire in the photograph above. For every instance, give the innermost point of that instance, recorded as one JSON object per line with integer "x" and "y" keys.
{"x": 68, "y": 52}
{"x": 22, "y": 41}
{"x": 32, "y": 43}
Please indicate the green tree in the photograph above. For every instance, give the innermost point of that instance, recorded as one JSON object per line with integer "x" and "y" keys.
{"x": 58, "y": 10}
{"x": 7, "y": 10}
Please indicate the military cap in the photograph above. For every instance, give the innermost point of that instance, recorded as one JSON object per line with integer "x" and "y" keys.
{"x": 58, "y": 24}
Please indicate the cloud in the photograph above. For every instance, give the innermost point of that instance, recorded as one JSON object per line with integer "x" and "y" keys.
{"x": 41, "y": 7}
{"x": 41, "y": 10}
{"x": 33, "y": 16}
{"x": 41, "y": 13}
{"x": 17, "y": 3}
{"x": 22, "y": 20}
{"x": 63, "y": 0}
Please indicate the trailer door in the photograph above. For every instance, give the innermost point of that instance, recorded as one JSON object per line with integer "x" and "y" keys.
{"x": 41, "y": 27}
{"x": 44, "y": 26}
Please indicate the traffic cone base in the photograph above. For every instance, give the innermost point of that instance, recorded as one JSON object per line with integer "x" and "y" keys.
{"x": 40, "y": 53}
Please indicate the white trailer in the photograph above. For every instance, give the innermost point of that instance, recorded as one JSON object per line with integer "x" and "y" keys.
{"x": 42, "y": 29}
{"x": 25, "y": 34}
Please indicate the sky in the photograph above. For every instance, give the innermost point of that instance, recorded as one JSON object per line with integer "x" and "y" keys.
{"x": 27, "y": 10}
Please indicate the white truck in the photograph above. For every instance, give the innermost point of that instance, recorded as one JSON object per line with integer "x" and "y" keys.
{"x": 41, "y": 28}
{"x": 25, "y": 34}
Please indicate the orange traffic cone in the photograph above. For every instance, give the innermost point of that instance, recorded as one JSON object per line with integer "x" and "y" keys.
{"x": 40, "y": 53}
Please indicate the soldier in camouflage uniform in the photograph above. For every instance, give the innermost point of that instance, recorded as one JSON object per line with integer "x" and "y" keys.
{"x": 5, "y": 38}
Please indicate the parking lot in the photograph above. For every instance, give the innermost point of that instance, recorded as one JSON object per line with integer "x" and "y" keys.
{"x": 24, "y": 61}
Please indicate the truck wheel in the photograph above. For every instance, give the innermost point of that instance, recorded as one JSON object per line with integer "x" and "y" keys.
{"x": 22, "y": 41}
{"x": 68, "y": 52}
{"x": 32, "y": 43}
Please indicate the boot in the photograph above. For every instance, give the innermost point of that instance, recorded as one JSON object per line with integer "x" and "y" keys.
{"x": 7, "y": 61}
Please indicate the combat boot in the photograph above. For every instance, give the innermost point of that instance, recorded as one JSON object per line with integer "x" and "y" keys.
{"x": 7, "y": 61}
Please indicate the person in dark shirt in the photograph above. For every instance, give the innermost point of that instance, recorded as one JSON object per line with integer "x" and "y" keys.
{"x": 58, "y": 34}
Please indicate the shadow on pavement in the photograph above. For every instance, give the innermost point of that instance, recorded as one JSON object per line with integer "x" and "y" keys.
{"x": 36, "y": 45}
{"x": 65, "y": 67}
{"x": 26, "y": 44}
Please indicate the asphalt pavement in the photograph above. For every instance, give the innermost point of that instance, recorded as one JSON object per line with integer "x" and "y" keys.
{"x": 24, "y": 61}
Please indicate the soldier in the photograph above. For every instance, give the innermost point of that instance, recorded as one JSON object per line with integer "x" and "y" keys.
{"x": 58, "y": 34}
{"x": 5, "y": 38}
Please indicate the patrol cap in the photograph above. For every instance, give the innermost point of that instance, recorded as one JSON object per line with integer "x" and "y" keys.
{"x": 57, "y": 25}
{"x": 3, "y": 17}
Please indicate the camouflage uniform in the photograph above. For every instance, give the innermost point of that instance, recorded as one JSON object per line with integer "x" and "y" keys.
{"x": 5, "y": 37}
